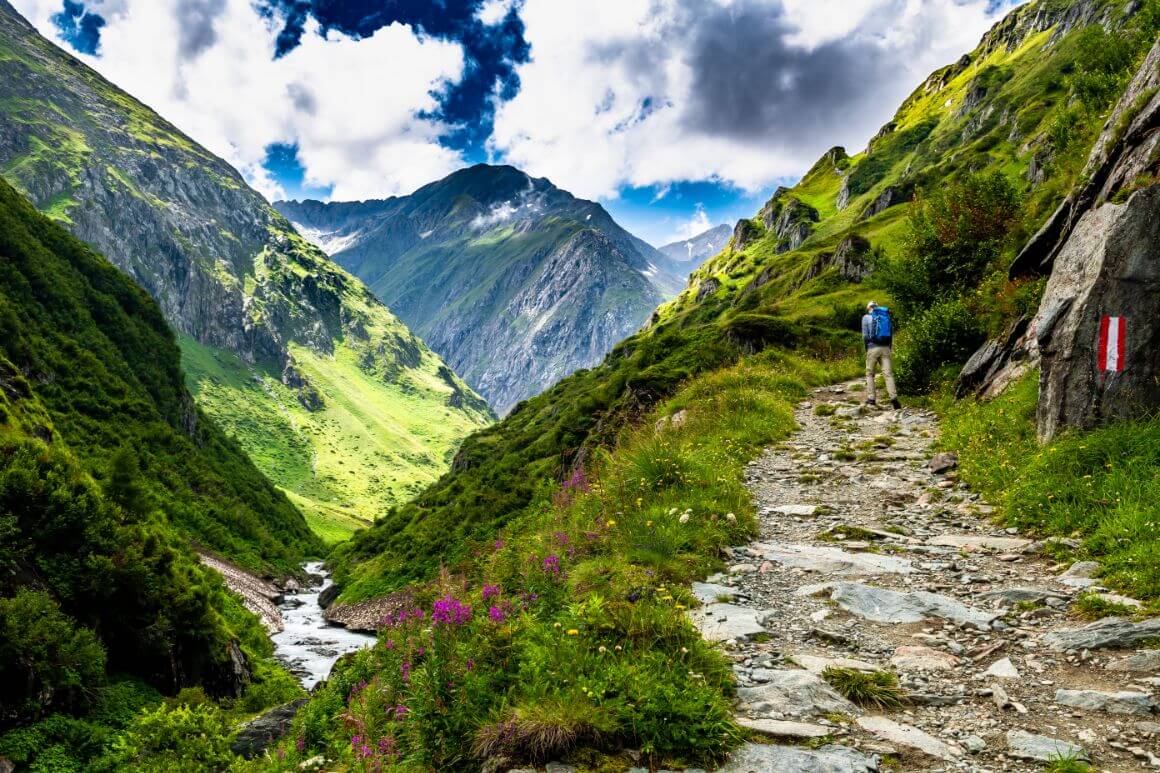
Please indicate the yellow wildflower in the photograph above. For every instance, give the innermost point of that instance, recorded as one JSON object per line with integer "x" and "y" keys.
{"x": 573, "y": 632}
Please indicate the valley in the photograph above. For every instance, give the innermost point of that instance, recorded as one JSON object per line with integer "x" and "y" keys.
{"x": 473, "y": 478}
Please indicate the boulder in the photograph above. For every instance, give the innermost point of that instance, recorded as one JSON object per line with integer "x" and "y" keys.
{"x": 827, "y": 560}
{"x": 1002, "y": 669}
{"x": 852, "y": 258}
{"x": 1118, "y": 702}
{"x": 816, "y": 664}
{"x": 999, "y": 362}
{"x": 745, "y": 233}
{"x": 919, "y": 658}
{"x": 1028, "y": 746}
{"x": 1109, "y": 633}
{"x": 755, "y": 758}
{"x": 1081, "y": 574}
{"x": 257, "y": 735}
{"x": 892, "y": 195}
{"x": 780, "y": 728}
{"x": 707, "y": 287}
{"x": 793, "y": 693}
{"x": 1100, "y": 249}
{"x": 943, "y": 462}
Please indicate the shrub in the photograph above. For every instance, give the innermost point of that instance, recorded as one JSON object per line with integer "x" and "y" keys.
{"x": 46, "y": 661}
{"x": 946, "y": 334}
{"x": 175, "y": 738}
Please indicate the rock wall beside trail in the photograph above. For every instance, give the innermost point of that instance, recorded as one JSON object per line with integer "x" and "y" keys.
{"x": 1101, "y": 248}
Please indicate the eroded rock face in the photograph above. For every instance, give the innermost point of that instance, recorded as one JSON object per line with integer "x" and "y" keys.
{"x": 1101, "y": 249}
{"x": 745, "y": 233}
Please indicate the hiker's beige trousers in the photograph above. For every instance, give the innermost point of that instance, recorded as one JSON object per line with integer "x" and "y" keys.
{"x": 874, "y": 356}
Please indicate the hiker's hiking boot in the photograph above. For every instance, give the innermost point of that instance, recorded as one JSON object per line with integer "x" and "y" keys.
{"x": 871, "y": 403}
{"x": 895, "y": 404}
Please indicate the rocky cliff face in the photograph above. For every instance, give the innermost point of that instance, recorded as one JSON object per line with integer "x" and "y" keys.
{"x": 513, "y": 281}
{"x": 255, "y": 303}
{"x": 1102, "y": 247}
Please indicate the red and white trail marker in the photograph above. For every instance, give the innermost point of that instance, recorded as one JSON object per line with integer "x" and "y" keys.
{"x": 1113, "y": 342}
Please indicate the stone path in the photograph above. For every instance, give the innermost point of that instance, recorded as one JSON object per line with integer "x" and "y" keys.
{"x": 869, "y": 559}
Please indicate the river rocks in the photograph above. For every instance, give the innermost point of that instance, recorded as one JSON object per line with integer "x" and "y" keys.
{"x": 1028, "y": 746}
{"x": 754, "y": 758}
{"x": 1145, "y": 661}
{"x": 888, "y": 606}
{"x": 793, "y": 693}
{"x": 1111, "y": 632}
{"x": 780, "y": 728}
{"x": 260, "y": 733}
{"x": 726, "y": 622}
{"x": 972, "y": 542}
{"x": 827, "y": 560}
{"x": 920, "y": 658}
{"x": 1119, "y": 702}
{"x": 911, "y": 737}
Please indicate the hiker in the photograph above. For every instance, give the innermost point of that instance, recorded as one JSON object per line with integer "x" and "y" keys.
{"x": 878, "y": 335}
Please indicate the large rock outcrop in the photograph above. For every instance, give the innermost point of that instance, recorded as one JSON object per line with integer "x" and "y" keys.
{"x": 1102, "y": 249}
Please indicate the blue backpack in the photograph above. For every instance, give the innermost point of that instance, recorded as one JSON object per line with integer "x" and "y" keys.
{"x": 881, "y": 326}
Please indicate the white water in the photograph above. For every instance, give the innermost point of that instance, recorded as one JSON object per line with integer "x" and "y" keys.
{"x": 309, "y": 645}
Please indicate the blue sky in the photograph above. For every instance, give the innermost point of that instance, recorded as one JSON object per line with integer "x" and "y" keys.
{"x": 676, "y": 115}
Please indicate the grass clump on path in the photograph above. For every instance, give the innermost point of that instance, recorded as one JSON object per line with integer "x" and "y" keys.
{"x": 1099, "y": 487}
{"x": 568, "y": 631}
{"x": 875, "y": 690}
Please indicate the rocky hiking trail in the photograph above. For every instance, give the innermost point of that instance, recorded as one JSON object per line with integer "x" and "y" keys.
{"x": 872, "y": 556}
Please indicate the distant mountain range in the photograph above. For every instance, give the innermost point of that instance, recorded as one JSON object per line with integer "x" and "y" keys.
{"x": 330, "y": 394}
{"x": 513, "y": 281}
{"x": 697, "y": 249}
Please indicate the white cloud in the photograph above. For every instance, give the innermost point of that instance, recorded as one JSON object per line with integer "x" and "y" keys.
{"x": 646, "y": 92}
{"x": 350, "y": 105}
{"x": 492, "y": 12}
{"x": 696, "y": 225}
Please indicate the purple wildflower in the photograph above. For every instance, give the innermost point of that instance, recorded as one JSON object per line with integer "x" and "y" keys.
{"x": 450, "y": 611}
{"x": 400, "y": 711}
{"x": 300, "y": 744}
{"x": 390, "y": 644}
{"x": 470, "y": 664}
{"x": 551, "y": 565}
{"x": 496, "y": 614}
{"x": 561, "y": 537}
{"x": 405, "y": 670}
{"x": 490, "y": 591}
{"x": 578, "y": 481}
{"x": 499, "y": 544}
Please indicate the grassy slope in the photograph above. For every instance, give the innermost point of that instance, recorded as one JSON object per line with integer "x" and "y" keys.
{"x": 499, "y": 469}
{"x": 576, "y": 633}
{"x": 107, "y": 472}
{"x": 69, "y": 124}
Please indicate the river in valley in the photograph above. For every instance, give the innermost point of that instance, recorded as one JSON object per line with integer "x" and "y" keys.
{"x": 307, "y": 644}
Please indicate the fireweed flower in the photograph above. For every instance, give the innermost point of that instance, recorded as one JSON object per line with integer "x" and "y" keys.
{"x": 496, "y": 615}
{"x": 551, "y": 565}
{"x": 470, "y": 664}
{"x": 499, "y": 544}
{"x": 400, "y": 711}
{"x": 450, "y": 611}
{"x": 561, "y": 537}
{"x": 490, "y": 591}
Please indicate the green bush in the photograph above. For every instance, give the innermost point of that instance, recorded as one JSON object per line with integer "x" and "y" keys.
{"x": 944, "y": 335}
{"x": 47, "y": 662}
{"x": 175, "y": 739}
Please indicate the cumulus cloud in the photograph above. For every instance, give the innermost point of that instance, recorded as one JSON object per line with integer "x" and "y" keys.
{"x": 696, "y": 225}
{"x": 645, "y": 92}
{"x": 360, "y": 110}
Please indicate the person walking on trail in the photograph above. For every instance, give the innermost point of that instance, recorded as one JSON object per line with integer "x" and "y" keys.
{"x": 878, "y": 335}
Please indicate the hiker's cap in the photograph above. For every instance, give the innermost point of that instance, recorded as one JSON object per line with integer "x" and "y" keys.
{"x": 871, "y": 305}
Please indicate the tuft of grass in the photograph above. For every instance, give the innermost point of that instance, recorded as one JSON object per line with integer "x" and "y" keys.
{"x": 877, "y": 689}
{"x": 825, "y": 409}
{"x": 543, "y": 731}
{"x": 1090, "y": 606}
{"x": 1067, "y": 765}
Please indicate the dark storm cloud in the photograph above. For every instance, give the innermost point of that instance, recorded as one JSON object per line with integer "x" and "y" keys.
{"x": 80, "y": 27}
{"x": 750, "y": 84}
{"x": 196, "y": 20}
{"x": 491, "y": 52}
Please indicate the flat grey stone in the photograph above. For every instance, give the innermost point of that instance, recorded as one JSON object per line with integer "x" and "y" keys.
{"x": 816, "y": 665}
{"x": 1003, "y": 669}
{"x": 976, "y": 542}
{"x": 559, "y": 767}
{"x": 755, "y": 758}
{"x": 1116, "y": 598}
{"x": 831, "y": 560}
{"x": 780, "y": 728}
{"x": 797, "y": 510}
{"x": 793, "y": 693}
{"x": 710, "y": 592}
{"x": 920, "y": 658}
{"x": 1015, "y": 595}
{"x": 1118, "y": 702}
{"x": 1110, "y": 632}
{"x": 1028, "y": 746}
{"x": 906, "y": 735}
{"x": 1080, "y": 574}
{"x": 888, "y": 606}
{"x": 722, "y": 622}
{"x": 1144, "y": 661}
